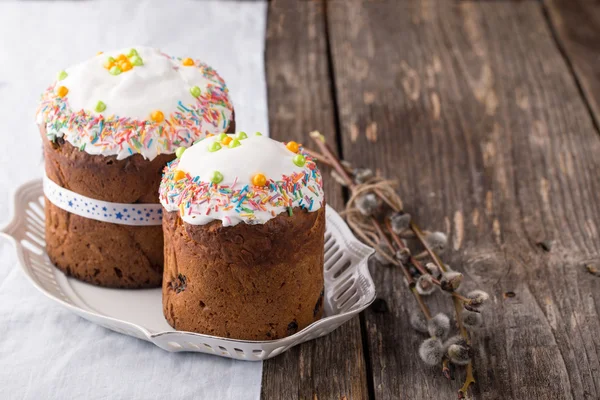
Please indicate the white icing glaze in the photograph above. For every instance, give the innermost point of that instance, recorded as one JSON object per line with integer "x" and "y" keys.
{"x": 256, "y": 154}
{"x": 161, "y": 83}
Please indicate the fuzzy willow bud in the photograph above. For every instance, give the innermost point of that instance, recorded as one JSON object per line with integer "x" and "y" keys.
{"x": 431, "y": 351}
{"x": 425, "y": 285}
{"x": 418, "y": 322}
{"x": 346, "y": 164}
{"x": 451, "y": 280}
{"x": 437, "y": 241}
{"x": 362, "y": 175}
{"x": 433, "y": 269}
{"x": 399, "y": 222}
{"x": 403, "y": 255}
{"x": 458, "y": 350}
{"x": 368, "y": 204}
{"x": 439, "y": 326}
{"x": 472, "y": 320}
{"x": 338, "y": 178}
{"x": 478, "y": 297}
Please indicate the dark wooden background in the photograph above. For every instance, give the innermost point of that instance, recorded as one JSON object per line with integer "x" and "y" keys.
{"x": 488, "y": 114}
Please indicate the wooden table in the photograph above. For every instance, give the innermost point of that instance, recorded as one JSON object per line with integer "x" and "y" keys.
{"x": 488, "y": 114}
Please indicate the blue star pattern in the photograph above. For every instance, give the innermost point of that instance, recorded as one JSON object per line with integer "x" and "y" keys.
{"x": 116, "y": 213}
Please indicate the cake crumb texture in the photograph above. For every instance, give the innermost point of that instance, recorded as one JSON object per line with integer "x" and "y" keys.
{"x": 250, "y": 281}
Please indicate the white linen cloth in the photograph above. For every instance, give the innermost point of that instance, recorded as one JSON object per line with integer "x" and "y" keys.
{"x": 46, "y": 352}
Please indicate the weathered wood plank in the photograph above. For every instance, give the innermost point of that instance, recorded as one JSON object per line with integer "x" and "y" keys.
{"x": 577, "y": 27}
{"x": 300, "y": 100}
{"x": 473, "y": 108}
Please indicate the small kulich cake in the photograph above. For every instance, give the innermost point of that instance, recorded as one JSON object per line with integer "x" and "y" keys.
{"x": 244, "y": 226}
{"x": 109, "y": 126}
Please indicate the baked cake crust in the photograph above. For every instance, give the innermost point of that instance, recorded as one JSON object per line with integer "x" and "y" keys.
{"x": 97, "y": 252}
{"x": 244, "y": 229}
{"x": 109, "y": 125}
{"x": 249, "y": 281}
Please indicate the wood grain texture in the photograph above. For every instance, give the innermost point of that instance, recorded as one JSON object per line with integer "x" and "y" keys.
{"x": 300, "y": 100}
{"x": 473, "y": 108}
{"x": 577, "y": 27}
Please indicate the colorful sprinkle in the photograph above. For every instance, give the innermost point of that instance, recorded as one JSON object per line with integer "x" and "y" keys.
{"x": 62, "y": 91}
{"x": 188, "y": 62}
{"x": 179, "y": 152}
{"x": 293, "y": 147}
{"x": 157, "y": 116}
{"x": 214, "y": 146}
{"x": 125, "y": 66}
{"x": 194, "y": 196}
{"x": 115, "y": 70}
{"x": 100, "y": 52}
{"x": 234, "y": 143}
{"x": 258, "y": 134}
{"x": 123, "y": 63}
{"x": 216, "y": 177}
{"x": 222, "y": 136}
{"x": 241, "y": 136}
{"x": 62, "y": 75}
{"x": 179, "y": 175}
{"x": 195, "y": 91}
{"x": 114, "y": 134}
{"x": 259, "y": 180}
{"x": 226, "y": 140}
{"x": 299, "y": 160}
{"x": 137, "y": 61}
{"x": 100, "y": 106}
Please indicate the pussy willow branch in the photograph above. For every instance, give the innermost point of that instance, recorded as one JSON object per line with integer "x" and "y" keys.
{"x": 421, "y": 238}
{"x": 320, "y": 140}
{"x": 457, "y": 298}
{"x": 326, "y": 159}
{"x": 469, "y": 379}
{"x": 446, "y": 368}
{"x": 407, "y": 275}
{"x": 401, "y": 244}
{"x": 328, "y": 153}
{"x": 457, "y": 302}
{"x": 321, "y": 158}
{"x": 337, "y": 165}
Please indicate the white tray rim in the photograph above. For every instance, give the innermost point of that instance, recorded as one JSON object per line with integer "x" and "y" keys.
{"x": 164, "y": 339}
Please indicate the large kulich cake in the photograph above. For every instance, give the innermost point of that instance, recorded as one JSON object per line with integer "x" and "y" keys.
{"x": 244, "y": 226}
{"x": 109, "y": 126}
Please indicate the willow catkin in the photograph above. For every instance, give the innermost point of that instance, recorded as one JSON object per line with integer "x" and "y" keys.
{"x": 361, "y": 223}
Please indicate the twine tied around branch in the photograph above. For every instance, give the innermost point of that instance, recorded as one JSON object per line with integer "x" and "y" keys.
{"x": 361, "y": 224}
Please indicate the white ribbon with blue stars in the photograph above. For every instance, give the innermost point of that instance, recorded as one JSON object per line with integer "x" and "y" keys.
{"x": 116, "y": 213}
